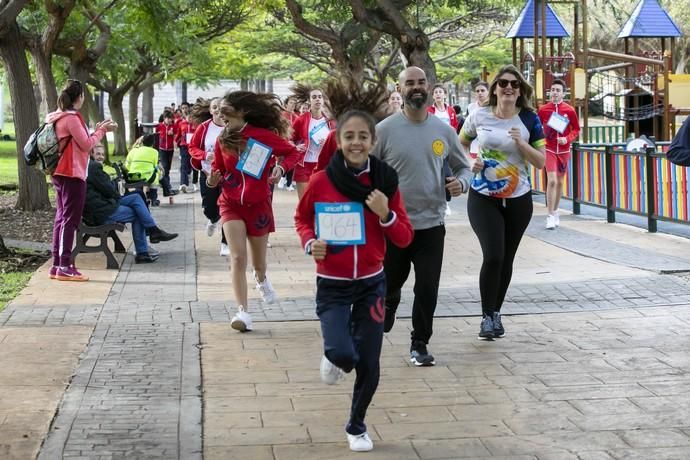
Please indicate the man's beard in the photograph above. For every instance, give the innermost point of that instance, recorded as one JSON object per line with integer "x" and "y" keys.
{"x": 416, "y": 103}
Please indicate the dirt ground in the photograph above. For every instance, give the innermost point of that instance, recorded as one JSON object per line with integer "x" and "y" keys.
{"x": 34, "y": 226}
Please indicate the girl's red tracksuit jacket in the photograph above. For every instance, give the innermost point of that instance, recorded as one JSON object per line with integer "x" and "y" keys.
{"x": 356, "y": 261}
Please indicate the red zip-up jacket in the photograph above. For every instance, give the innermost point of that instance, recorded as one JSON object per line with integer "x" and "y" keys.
{"x": 242, "y": 188}
{"x": 197, "y": 146}
{"x": 166, "y": 141}
{"x": 356, "y": 261}
{"x": 182, "y": 128}
{"x": 300, "y": 131}
{"x": 572, "y": 131}
{"x": 451, "y": 113}
{"x": 330, "y": 146}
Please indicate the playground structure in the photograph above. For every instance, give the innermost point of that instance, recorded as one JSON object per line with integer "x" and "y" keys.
{"x": 633, "y": 87}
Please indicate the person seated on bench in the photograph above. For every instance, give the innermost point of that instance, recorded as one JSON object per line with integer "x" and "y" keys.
{"x": 142, "y": 164}
{"x": 104, "y": 205}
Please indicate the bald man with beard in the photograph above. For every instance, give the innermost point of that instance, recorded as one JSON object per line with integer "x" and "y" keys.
{"x": 416, "y": 144}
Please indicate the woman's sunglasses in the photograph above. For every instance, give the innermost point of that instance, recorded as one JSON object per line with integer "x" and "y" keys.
{"x": 503, "y": 83}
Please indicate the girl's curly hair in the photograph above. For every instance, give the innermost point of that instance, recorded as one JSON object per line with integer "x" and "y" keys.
{"x": 262, "y": 110}
{"x": 345, "y": 94}
{"x": 301, "y": 92}
{"x": 200, "y": 111}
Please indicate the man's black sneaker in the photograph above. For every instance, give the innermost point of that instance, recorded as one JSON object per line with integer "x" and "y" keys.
{"x": 486, "y": 330}
{"x": 499, "y": 331}
{"x": 156, "y": 235}
{"x": 389, "y": 320}
{"x": 145, "y": 258}
{"x": 419, "y": 356}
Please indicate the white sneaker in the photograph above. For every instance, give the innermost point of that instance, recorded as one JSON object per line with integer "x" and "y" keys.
{"x": 210, "y": 228}
{"x": 193, "y": 188}
{"x": 448, "y": 211}
{"x": 183, "y": 188}
{"x": 557, "y": 220}
{"x": 268, "y": 244}
{"x": 550, "y": 222}
{"x": 268, "y": 294}
{"x": 224, "y": 250}
{"x": 281, "y": 183}
{"x": 330, "y": 373}
{"x": 291, "y": 188}
{"x": 360, "y": 443}
{"x": 242, "y": 321}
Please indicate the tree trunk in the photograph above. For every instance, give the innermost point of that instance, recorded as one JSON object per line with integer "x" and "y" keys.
{"x": 118, "y": 115}
{"x": 147, "y": 105}
{"x": 46, "y": 81}
{"x": 133, "y": 114}
{"x": 183, "y": 91}
{"x": 416, "y": 51}
{"x": 3, "y": 248}
{"x": 33, "y": 190}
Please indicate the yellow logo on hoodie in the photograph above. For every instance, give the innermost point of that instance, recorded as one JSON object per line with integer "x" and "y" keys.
{"x": 438, "y": 147}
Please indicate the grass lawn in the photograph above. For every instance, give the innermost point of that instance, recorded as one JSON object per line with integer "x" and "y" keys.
{"x": 8, "y": 157}
{"x": 11, "y": 284}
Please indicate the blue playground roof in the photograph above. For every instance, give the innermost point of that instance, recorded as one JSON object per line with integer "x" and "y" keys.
{"x": 523, "y": 27}
{"x": 650, "y": 20}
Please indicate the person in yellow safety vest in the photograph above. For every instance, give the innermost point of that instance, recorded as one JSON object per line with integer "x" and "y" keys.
{"x": 142, "y": 164}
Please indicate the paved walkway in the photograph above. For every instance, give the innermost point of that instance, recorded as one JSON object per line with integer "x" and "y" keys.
{"x": 142, "y": 363}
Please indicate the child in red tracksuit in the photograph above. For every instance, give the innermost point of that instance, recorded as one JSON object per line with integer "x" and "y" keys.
{"x": 167, "y": 132}
{"x": 350, "y": 280}
{"x": 243, "y": 165}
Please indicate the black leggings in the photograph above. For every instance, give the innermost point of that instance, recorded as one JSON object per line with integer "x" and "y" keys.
{"x": 499, "y": 225}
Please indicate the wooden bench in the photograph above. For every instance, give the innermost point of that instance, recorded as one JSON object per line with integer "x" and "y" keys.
{"x": 103, "y": 232}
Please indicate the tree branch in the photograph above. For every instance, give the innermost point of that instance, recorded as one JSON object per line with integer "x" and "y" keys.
{"x": 307, "y": 27}
{"x": 9, "y": 12}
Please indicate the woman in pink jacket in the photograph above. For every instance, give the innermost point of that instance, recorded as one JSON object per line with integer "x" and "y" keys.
{"x": 69, "y": 178}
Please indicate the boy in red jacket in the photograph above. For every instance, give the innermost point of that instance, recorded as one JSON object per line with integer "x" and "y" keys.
{"x": 344, "y": 218}
{"x": 561, "y": 127}
{"x": 166, "y": 147}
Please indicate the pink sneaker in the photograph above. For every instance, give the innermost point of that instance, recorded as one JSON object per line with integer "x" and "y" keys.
{"x": 70, "y": 274}
{"x": 53, "y": 272}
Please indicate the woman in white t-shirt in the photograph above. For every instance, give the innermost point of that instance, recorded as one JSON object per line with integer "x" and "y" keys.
{"x": 499, "y": 204}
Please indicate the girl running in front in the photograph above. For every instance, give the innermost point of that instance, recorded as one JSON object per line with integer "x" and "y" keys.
{"x": 350, "y": 280}
{"x": 255, "y": 132}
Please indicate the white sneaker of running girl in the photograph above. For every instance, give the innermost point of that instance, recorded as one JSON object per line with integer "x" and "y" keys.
{"x": 330, "y": 373}
{"x": 224, "y": 250}
{"x": 210, "y": 228}
{"x": 282, "y": 183}
{"x": 550, "y": 222}
{"x": 360, "y": 443}
{"x": 242, "y": 321}
{"x": 268, "y": 294}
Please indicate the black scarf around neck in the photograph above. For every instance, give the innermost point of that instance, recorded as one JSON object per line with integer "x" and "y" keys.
{"x": 383, "y": 178}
